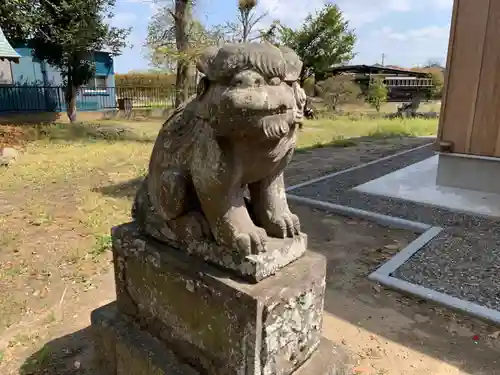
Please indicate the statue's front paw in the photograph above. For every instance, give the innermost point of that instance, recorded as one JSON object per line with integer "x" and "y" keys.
{"x": 284, "y": 225}
{"x": 252, "y": 241}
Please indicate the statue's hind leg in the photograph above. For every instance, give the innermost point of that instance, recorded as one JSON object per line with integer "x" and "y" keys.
{"x": 147, "y": 217}
{"x": 179, "y": 206}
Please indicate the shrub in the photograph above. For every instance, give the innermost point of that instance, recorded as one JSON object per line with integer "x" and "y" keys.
{"x": 339, "y": 90}
{"x": 377, "y": 93}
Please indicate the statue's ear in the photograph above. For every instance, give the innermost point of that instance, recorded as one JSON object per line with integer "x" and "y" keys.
{"x": 293, "y": 64}
{"x": 204, "y": 62}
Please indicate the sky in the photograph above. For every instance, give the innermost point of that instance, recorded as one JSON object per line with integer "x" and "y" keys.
{"x": 406, "y": 32}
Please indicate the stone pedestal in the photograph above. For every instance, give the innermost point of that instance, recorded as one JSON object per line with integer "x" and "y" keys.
{"x": 176, "y": 314}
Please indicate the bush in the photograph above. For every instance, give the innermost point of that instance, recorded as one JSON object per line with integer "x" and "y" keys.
{"x": 377, "y": 93}
{"x": 339, "y": 90}
{"x": 308, "y": 86}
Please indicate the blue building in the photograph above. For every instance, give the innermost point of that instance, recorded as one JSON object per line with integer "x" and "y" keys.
{"x": 33, "y": 85}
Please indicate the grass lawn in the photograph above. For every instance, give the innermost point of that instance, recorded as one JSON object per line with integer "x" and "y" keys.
{"x": 343, "y": 131}
{"x": 56, "y": 209}
{"x": 391, "y": 107}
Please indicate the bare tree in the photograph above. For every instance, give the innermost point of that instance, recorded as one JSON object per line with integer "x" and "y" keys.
{"x": 433, "y": 63}
{"x": 181, "y": 20}
{"x": 172, "y": 49}
{"x": 248, "y": 18}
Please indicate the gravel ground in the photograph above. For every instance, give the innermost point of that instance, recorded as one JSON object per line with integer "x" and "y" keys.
{"x": 463, "y": 265}
{"x": 317, "y": 162}
{"x": 460, "y": 262}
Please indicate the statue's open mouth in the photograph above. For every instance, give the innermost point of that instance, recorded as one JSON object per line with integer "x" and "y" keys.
{"x": 277, "y": 125}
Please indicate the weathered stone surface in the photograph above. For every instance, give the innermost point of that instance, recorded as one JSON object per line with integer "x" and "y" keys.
{"x": 219, "y": 325}
{"x": 236, "y": 135}
{"x": 123, "y": 349}
{"x": 253, "y": 267}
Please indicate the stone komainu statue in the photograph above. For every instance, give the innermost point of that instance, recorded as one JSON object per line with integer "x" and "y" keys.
{"x": 233, "y": 139}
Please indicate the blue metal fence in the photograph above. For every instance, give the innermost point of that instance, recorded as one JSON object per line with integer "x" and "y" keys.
{"x": 51, "y": 98}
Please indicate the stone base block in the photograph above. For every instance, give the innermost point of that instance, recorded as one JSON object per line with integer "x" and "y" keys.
{"x": 220, "y": 325}
{"x": 123, "y": 349}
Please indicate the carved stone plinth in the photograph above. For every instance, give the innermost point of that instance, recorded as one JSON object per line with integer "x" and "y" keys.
{"x": 175, "y": 308}
{"x": 253, "y": 267}
{"x": 122, "y": 348}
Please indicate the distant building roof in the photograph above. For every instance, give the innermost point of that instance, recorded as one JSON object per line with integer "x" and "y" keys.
{"x": 374, "y": 69}
{"x": 6, "y": 50}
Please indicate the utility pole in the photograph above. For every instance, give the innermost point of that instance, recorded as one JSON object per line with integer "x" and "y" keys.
{"x": 383, "y": 58}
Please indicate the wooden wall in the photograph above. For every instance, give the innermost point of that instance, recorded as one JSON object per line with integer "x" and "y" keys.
{"x": 470, "y": 115}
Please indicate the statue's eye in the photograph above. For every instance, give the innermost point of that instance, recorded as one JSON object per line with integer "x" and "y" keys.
{"x": 275, "y": 81}
{"x": 247, "y": 79}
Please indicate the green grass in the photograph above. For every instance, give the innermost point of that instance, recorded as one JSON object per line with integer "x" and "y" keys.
{"x": 102, "y": 244}
{"x": 342, "y": 131}
{"x": 430, "y": 106}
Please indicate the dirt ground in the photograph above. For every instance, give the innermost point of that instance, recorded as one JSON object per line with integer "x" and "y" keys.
{"x": 56, "y": 208}
{"x": 385, "y": 332}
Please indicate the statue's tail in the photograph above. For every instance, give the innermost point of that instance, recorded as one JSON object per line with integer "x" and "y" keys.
{"x": 141, "y": 202}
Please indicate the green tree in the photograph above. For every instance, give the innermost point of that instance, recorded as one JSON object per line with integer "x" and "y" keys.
{"x": 323, "y": 40}
{"x": 436, "y": 72}
{"x": 377, "y": 93}
{"x": 437, "y": 83}
{"x": 67, "y": 32}
{"x": 17, "y": 19}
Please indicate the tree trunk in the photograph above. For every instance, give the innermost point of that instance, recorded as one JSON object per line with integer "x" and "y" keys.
{"x": 70, "y": 97}
{"x": 245, "y": 26}
{"x": 182, "y": 43}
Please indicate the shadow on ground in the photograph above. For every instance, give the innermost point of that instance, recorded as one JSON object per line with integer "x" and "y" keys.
{"x": 67, "y": 355}
{"x": 125, "y": 189}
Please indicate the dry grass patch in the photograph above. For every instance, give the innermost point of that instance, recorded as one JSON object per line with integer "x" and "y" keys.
{"x": 55, "y": 223}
